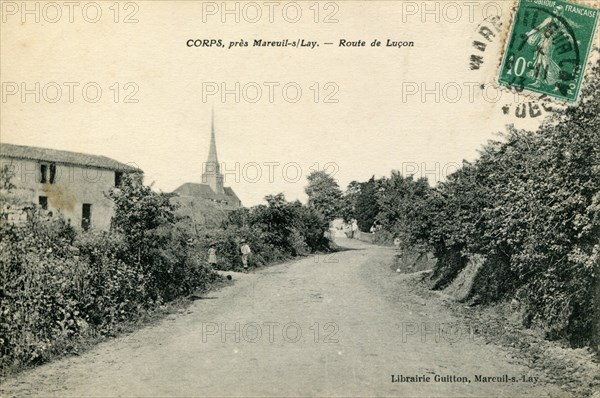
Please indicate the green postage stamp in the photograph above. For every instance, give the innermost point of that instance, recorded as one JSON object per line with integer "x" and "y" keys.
{"x": 548, "y": 47}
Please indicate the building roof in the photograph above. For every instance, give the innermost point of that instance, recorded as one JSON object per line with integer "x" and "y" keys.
{"x": 205, "y": 191}
{"x": 229, "y": 192}
{"x": 194, "y": 189}
{"x": 66, "y": 157}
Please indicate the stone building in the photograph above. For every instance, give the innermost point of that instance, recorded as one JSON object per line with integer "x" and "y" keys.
{"x": 70, "y": 183}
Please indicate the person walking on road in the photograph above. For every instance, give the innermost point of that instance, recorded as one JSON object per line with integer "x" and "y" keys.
{"x": 245, "y": 249}
{"x": 399, "y": 245}
{"x": 354, "y": 229}
{"x": 212, "y": 255}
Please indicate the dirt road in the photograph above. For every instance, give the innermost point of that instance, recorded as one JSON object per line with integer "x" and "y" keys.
{"x": 360, "y": 323}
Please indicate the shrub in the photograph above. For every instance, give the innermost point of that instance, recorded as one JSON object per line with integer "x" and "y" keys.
{"x": 155, "y": 244}
{"x": 275, "y": 232}
{"x": 39, "y": 280}
{"x": 531, "y": 205}
{"x": 59, "y": 286}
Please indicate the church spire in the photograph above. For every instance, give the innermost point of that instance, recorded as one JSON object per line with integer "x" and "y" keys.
{"x": 212, "y": 152}
{"x": 211, "y": 174}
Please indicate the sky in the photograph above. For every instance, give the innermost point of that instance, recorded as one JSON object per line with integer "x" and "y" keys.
{"x": 360, "y": 112}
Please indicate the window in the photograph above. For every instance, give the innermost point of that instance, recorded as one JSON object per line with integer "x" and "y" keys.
{"x": 44, "y": 173}
{"x": 43, "y": 201}
{"x": 52, "y": 173}
{"x": 118, "y": 178}
{"x": 86, "y": 216}
{"x": 48, "y": 173}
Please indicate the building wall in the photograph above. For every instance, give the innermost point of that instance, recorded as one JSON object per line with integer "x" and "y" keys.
{"x": 202, "y": 212}
{"x": 73, "y": 186}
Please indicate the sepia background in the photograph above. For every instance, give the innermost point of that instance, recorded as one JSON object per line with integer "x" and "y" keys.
{"x": 487, "y": 285}
{"x": 370, "y": 130}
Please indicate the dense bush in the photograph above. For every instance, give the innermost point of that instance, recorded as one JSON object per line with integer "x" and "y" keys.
{"x": 40, "y": 288}
{"x": 530, "y": 204}
{"x": 276, "y": 231}
{"x": 59, "y": 285}
{"x": 360, "y": 202}
{"x": 155, "y": 243}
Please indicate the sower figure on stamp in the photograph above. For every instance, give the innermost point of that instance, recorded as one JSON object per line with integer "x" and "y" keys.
{"x": 245, "y": 249}
{"x": 544, "y": 68}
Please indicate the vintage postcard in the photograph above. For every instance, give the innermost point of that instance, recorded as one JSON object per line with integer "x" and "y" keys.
{"x": 306, "y": 198}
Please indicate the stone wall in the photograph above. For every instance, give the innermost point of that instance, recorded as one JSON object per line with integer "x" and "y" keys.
{"x": 18, "y": 214}
{"x": 73, "y": 186}
{"x": 14, "y": 214}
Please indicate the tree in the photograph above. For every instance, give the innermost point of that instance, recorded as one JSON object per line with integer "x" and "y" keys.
{"x": 530, "y": 205}
{"x": 324, "y": 194}
{"x": 140, "y": 212}
{"x": 349, "y": 198}
{"x": 403, "y": 208}
{"x": 154, "y": 242}
{"x": 279, "y": 228}
{"x": 367, "y": 206}
{"x": 6, "y": 175}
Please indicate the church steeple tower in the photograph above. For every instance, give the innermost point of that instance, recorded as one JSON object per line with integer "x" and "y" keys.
{"x": 211, "y": 173}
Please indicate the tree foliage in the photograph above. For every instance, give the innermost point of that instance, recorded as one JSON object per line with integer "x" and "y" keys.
{"x": 348, "y": 202}
{"x": 59, "y": 285}
{"x": 280, "y": 228}
{"x": 530, "y": 204}
{"x": 7, "y": 173}
{"x": 324, "y": 194}
{"x": 366, "y": 207}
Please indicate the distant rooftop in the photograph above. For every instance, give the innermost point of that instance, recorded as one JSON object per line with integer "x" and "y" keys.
{"x": 205, "y": 191}
{"x": 64, "y": 157}
{"x": 195, "y": 189}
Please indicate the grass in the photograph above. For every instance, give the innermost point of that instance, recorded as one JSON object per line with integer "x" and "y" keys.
{"x": 72, "y": 347}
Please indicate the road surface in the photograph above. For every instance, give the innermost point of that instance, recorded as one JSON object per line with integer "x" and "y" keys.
{"x": 338, "y": 325}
